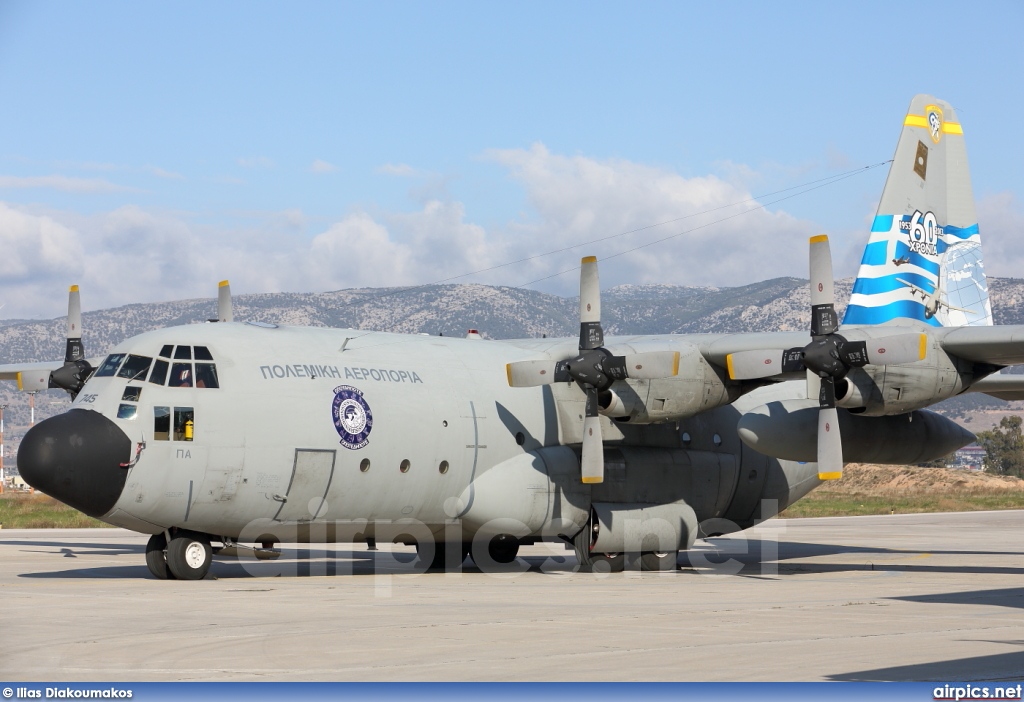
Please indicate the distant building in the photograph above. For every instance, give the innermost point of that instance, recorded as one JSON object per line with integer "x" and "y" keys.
{"x": 970, "y": 457}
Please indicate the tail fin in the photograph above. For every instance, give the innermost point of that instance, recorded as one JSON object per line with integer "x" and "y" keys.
{"x": 923, "y": 260}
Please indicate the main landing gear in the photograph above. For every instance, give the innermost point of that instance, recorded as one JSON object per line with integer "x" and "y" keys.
{"x": 501, "y": 549}
{"x": 596, "y": 562}
{"x": 187, "y": 556}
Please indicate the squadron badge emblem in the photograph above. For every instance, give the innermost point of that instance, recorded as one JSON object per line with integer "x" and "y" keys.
{"x": 352, "y": 417}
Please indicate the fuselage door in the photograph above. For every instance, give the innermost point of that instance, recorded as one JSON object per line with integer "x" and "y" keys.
{"x": 311, "y": 478}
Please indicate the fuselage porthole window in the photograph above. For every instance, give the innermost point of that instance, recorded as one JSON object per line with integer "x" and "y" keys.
{"x": 135, "y": 368}
{"x": 203, "y": 354}
{"x": 110, "y": 365}
{"x": 159, "y": 374}
{"x": 161, "y": 423}
{"x": 183, "y": 352}
{"x": 181, "y": 375}
{"x": 206, "y": 375}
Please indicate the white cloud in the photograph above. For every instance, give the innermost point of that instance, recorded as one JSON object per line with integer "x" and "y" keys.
{"x": 402, "y": 170}
{"x": 319, "y": 166}
{"x": 255, "y": 162}
{"x": 162, "y": 173}
{"x": 65, "y": 183}
{"x": 1001, "y": 222}
{"x": 715, "y": 241}
{"x": 134, "y": 255}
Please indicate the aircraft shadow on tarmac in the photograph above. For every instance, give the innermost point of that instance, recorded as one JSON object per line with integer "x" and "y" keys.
{"x": 999, "y": 666}
{"x": 746, "y": 558}
{"x": 755, "y": 558}
{"x": 1005, "y": 597}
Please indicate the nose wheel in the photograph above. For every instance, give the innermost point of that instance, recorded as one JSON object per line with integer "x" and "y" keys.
{"x": 187, "y": 556}
{"x": 156, "y": 557}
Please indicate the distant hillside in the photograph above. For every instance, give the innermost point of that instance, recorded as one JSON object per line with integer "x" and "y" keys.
{"x": 498, "y": 312}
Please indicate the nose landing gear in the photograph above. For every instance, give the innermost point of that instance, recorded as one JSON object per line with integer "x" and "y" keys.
{"x": 187, "y": 556}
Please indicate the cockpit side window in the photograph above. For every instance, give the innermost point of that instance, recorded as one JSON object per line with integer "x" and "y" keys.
{"x": 206, "y": 376}
{"x": 181, "y": 375}
{"x": 109, "y": 366}
{"x": 135, "y": 368}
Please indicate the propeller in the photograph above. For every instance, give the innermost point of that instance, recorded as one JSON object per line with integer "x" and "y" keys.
{"x": 76, "y": 369}
{"x": 594, "y": 369}
{"x": 829, "y": 356}
{"x": 224, "y": 311}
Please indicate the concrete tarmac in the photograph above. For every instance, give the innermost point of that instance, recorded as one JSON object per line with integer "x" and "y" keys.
{"x": 905, "y": 597}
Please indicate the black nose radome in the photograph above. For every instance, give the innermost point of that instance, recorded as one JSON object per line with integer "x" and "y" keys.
{"x": 75, "y": 457}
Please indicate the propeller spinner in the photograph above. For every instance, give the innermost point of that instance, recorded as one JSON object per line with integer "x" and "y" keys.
{"x": 830, "y": 356}
{"x": 594, "y": 369}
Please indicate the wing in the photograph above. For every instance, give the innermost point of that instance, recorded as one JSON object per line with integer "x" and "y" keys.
{"x": 1001, "y": 385}
{"x": 1001, "y": 345}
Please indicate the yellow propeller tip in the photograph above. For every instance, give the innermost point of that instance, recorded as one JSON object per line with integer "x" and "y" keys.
{"x": 923, "y": 348}
{"x": 728, "y": 366}
{"x": 223, "y": 284}
{"x": 73, "y": 288}
{"x": 593, "y": 480}
{"x": 508, "y": 374}
{"x": 819, "y": 238}
{"x": 589, "y": 259}
{"x": 830, "y": 476}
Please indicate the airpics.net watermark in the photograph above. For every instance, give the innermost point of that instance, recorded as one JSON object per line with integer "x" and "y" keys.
{"x": 968, "y": 693}
{"x": 382, "y": 549}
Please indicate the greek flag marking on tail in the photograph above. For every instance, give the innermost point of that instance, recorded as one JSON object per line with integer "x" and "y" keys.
{"x": 923, "y": 258}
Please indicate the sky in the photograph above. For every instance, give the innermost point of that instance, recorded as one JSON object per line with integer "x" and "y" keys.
{"x": 150, "y": 150}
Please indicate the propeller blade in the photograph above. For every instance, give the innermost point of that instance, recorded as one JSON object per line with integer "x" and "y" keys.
{"x": 813, "y": 385}
{"x": 747, "y": 365}
{"x": 823, "y": 312}
{"x": 892, "y": 350}
{"x": 830, "y": 445}
{"x": 528, "y": 374}
{"x": 591, "y": 334}
{"x": 592, "y": 458}
{"x": 224, "y": 311}
{"x": 647, "y": 366}
{"x": 827, "y": 393}
{"x": 74, "y": 350}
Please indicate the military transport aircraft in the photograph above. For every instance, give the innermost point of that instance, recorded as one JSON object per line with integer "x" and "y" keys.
{"x": 629, "y": 448}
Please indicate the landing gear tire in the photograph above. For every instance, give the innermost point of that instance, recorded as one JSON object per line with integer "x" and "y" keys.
{"x": 658, "y": 560}
{"x": 596, "y": 562}
{"x": 503, "y": 548}
{"x": 442, "y": 551}
{"x": 189, "y": 556}
{"x": 156, "y": 558}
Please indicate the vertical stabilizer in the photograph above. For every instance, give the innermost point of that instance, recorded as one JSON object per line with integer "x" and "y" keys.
{"x": 923, "y": 260}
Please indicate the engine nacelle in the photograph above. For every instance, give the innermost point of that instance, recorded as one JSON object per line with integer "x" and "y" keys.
{"x": 696, "y": 388}
{"x": 859, "y": 391}
{"x": 789, "y": 430}
{"x": 33, "y": 381}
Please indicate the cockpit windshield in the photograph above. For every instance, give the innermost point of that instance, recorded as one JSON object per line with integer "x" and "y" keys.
{"x": 182, "y": 372}
{"x": 135, "y": 368}
{"x": 110, "y": 365}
